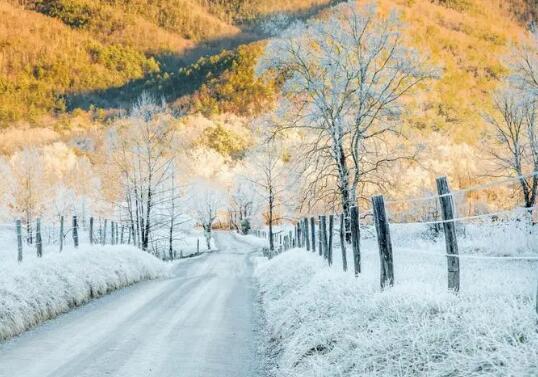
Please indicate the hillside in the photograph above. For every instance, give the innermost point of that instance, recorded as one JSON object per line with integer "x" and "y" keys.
{"x": 61, "y": 55}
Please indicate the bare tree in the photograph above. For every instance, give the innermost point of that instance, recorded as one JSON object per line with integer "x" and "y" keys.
{"x": 206, "y": 200}
{"x": 515, "y": 145}
{"x": 142, "y": 151}
{"x": 269, "y": 176}
{"x": 243, "y": 204}
{"x": 27, "y": 187}
{"x": 345, "y": 76}
{"x": 513, "y": 121}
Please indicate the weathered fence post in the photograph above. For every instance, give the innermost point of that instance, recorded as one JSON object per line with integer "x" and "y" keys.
{"x": 330, "y": 243}
{"x": 112, "y": 233}
{"x": 298, "y": 235}
{"x": 313, "y": 233}
{"x": 343, "y": 241}
{"x": 38, "y": 240}
{"x": 355, "y": 238}
{"x": 103, "y": 240}
{"x": 306, "y": 233}
{"x": 447, "y": 210}
{"x": 384, "y": 242}
{"x": 61, "y": 233}
{"x": 91, "y": 230}
{"x": 19, "y": 241}
{"x": 323, "y": 229}
{"x": 117, "y": 234}
{"x": 320, "y": 243}
{"x": 292, "y": 241}
{"x": 197, "y": 245}
{"x": 75, "y": 231}
{"x": 304, "y": 225}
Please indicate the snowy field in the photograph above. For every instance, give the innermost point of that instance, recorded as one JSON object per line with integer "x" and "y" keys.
{"x": 324, "y": 322}
{"x": 41, "y": 288}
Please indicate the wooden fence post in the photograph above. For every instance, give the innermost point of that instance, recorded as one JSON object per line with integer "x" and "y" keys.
{"x": 313, "y": 233}
{"x": 75, "y": 231}
{"x": 306, "y": 233}
{"x": 103, "y": 240}
{"x": 112, "y": 234}
{"x": 298, "y": 234}
{"x": 19, "y": 241}
{"x": 38, "y": 240}
{"x": 320, "y": 244}
{"x": 122, "y": 236}
{"x": 91, "y": 230}
{"x": 330, "y": 243}
{"x": 384, "y": 242}
{"x": 292, "y": 241}
{"x": 355, "y": 238}
{"x": 323, "y": 229}
{"x": 117, "y": 234}
{"x": 61, "y": 233}
{"x": 447, "y": 210}
{"x": 343, "y": 241}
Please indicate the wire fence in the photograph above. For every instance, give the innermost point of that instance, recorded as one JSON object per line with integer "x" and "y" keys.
{"x": 452, "y": 213}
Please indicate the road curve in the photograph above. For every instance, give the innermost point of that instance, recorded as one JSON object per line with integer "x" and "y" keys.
{"x": 201, "y": 322}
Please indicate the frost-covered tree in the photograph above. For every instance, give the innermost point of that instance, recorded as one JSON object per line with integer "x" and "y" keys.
{"x": 142, "y": 152}
{"x": 243, "y": 204}
{"x": 206, "y": 201}
{"x": 269, "y": 175}
{"x": 515, "y": 142}
{"x": 28, "y": 189}
{"x": 345, "y": 75}
{"x": 514, "y": 145}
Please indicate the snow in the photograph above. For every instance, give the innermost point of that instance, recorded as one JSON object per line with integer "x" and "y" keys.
{"x": 42, "y": 288}
{"x": 200, "y": 321}
{"x": 325, "y": 322}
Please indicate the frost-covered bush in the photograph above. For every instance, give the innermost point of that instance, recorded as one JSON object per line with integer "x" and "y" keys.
{"x": 41, "y": 289}
{"x": 327, "y": 323}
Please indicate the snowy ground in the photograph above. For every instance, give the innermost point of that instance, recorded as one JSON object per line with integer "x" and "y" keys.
{"x": 42, "y": 288}
{"x": 324, "y": 322}
{"x": 201, "y": 321}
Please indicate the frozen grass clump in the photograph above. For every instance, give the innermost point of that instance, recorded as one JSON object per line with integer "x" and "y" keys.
{"x": 42, "y": 288}
{"x": 327, "y": 323}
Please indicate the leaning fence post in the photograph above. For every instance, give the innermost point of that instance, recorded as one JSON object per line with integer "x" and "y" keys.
{"x": 384, "y": 242}
{"x": 449, "y": 227}
{"x": 330, "y": 243}
{"x": 91, "y": 230}
{"x": 343, "y": 241}
{"x": 355, "y": 238}
{"x": 19, "y": 241}
{"x": 75, "y": 231}
{"x": 61, "y": 233}
{"x": 38, "y": 240}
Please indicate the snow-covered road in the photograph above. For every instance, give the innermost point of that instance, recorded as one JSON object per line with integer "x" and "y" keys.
{"x": 200, "y": 322}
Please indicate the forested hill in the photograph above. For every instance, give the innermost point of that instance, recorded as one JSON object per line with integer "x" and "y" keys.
{"x": 58, "y": 56}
